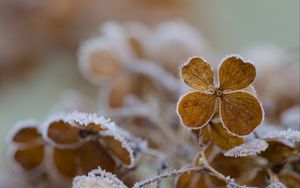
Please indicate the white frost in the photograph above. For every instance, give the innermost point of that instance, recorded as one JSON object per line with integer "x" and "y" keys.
{"x": 247, "y": 149}
{"x": 98, "y": 178}
{"x": 289, "y": 135}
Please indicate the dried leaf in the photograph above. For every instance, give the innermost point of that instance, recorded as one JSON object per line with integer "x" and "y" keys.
{"x": 198, "y": 74}
{"x": 240, "y": 112}
{"x": 98, "y": 179}
{"x": 196, "y": 109}
{"x": 222, "y": 138}
{"x": 30, "y": 158}
{"x": 247, "y": 149}
{"x": 63, "y": 133}
{"x": 91, "y": 155}
{"x": 235, "y": 74}
{"x": 64, "y": 161}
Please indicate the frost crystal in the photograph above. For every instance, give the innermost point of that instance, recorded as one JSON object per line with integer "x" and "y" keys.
{"x": 250, "y": 148}
{"x": 276, "y": 185}
{"x": 289, "y": 135}
{"x": 98, "y": 178}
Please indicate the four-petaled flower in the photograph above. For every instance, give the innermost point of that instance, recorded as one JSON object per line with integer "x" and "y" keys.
{"x": 240, "y": 112}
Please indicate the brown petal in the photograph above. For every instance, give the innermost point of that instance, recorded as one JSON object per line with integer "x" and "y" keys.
{"x": 222, "y": 138}
{"x": 196, "y": 109}
{"x": 240, "y": 112}
{"x": 191, "y": 180}
{"x": 235, "y": 74}
{"x": 117, "y": 148}
{"x": 198, "y": 74}
{"x": 91, "y": 155}
{"x": 63, "y": 133}
{"x": 26, "y": 134}
{"x": 65, "y": 161}
{"x": 30, "y": 158}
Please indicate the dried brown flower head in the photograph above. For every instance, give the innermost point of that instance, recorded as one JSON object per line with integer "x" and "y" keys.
{"x": 70, "y": 144}
{"x": 240, "y": 112}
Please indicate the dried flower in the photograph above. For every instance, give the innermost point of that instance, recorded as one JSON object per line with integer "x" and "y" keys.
{"x": 72, "y": 143}
{"x": 92, "y": 140}
{"x": 240, "y": 112}
{"x": 27, "y": 149}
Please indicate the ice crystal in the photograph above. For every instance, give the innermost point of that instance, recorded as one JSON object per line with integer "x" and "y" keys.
{"x": 250, "y": 148}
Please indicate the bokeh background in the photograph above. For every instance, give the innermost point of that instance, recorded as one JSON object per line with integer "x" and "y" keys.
{"x": 39, "y": 40}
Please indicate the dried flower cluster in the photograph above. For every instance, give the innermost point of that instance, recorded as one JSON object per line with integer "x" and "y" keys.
{"x": 70, "y": 144}
{"x": 218, "y": 138}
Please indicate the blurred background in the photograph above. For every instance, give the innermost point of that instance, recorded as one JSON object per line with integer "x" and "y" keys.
{"x": 39, "y": 41}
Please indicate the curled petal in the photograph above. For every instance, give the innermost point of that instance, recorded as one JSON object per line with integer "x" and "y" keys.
{"x": 30, "y": 158}
{"x": 65, "y": 130}
{"x": 65, "y": 162}
{"x": 196, "y": 109}
{"x": 235, "y": 74}
{"x": 92, "y": 155}
{"x": 120, "y": 149}
{"x": 240, "y": 112}
{"x": 63, "y": 133}
{"x": 25, "y": 133}
{"x": 122, "y": 145}
{"x": 198, "y": 74}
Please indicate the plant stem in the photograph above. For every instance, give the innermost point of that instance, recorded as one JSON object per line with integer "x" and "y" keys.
{"x": 172, "y": 173}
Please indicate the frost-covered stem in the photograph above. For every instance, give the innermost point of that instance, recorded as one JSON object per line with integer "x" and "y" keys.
{"x": 172, "y": 173}
{"x": 211, "y": 170}
{"x": 156, "y": 73}
{"x": 204, "y": 163}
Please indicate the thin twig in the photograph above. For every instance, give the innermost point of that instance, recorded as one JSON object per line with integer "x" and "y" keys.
{"x": 172, "y": 173}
